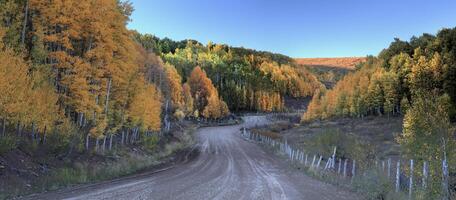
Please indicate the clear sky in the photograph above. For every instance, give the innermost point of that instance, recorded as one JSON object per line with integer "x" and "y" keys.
{"x": 297, "y": 28}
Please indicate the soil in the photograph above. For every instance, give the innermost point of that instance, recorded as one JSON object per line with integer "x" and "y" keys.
{"x": 226, "y": 167}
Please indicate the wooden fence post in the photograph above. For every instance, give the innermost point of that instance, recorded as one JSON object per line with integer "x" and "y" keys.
{"x": 305, "y": 162}
{"x": 313, "y": 161}
{"x": 319, "y": 161}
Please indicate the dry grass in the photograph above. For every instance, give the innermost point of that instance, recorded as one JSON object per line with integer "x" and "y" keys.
{"x": 343, "y": 62}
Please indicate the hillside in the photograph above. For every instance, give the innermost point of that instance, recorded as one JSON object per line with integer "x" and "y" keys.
{"x": 342, "y": 62}
{"x": 329, "y": 70}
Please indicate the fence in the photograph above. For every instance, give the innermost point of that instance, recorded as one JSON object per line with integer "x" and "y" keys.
{"x": 403, "y": 180}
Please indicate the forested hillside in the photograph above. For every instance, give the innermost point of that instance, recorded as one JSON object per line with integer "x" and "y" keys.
{"x": 247, "y": 80}
{"x": 415, "y": 79}
{"x": 72, "y": 70}
{"x": 70, "y": 64}
{"x": 390, "y": 83}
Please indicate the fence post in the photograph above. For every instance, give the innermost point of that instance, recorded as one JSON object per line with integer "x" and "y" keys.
{"x": 411, "y": 179}
{"x": 319, "y": 161}
{"x": 345, "y": 168}
{"x": 383, "y": 166}
{"x": 328, "y": 164}
{"x": 334, "y": 158}
{"x": 305, "y": 162}
{"x": 313, "y": 161}
{"x": 425, "y": 175}
{"x": 398, "y": 173}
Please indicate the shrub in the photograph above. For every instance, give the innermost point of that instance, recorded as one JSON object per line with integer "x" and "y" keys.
{"x": 348, "y": 146}
{"x": 150, "y": 142}
{"x": 7, "y": 144}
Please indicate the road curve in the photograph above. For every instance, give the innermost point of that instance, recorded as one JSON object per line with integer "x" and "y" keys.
{"x": 227, "y": 167}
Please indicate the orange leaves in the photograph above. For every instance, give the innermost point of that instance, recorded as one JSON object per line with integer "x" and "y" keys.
{"x": 14, "y": 86}
{"x": 188, "y": 99}
{"x": 205, "y": 95}
{"x": 145, "y": 108}
{"x": 215, "y": 108}
{"x": 175, "y": 86}
{"x": 289, "y": 80}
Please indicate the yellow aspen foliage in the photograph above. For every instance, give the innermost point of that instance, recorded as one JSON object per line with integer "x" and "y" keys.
{"x": 205, "y": 96}
{"x": 145, "y": 107}
{"x": 188, "y": 100}
{"x": 44, "y": 110}
{"x": 14, "y": 86}
{"x": 175, "y": 86}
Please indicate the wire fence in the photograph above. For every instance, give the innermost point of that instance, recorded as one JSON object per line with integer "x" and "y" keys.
{"x": 403, "y": 174}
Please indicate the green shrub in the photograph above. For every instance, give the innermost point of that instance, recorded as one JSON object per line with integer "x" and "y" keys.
{"x": 348, "y": 145}
{"x": 7, "y": 144}
{"x": 150, "y": 142}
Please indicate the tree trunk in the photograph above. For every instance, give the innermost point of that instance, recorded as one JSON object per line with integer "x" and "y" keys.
{"x": 96, "y": 144}
{"x": 24, "y": 27}
{"x": 81, "y": 119}
{"x": 122, "y": 139}
{"x": 4, "y": 127}
{"x": 104, "y": 144}
{"x": 137, "y": 135}
{"x": 107, "y": 96}
{"x": 126, "y": 138}
{"x": 44, "y": 135}
{"x": 87, "y": 141}
{"x": 110, "y": 142}
{"x": 18, "y": 126}
{"x": 33, "y": 132}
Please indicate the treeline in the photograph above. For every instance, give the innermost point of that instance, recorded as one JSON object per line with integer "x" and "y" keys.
{"x": 70, "y": 68}
{"x": 390, "y": 83}
{"x": 415, "y": 79}
{"x": 247, "y": 80}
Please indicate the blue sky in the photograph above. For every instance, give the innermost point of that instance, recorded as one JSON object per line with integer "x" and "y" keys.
{"x": 297, "y": 28}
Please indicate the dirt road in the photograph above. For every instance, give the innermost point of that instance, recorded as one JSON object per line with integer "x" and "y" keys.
{"x": 228, "y": 167}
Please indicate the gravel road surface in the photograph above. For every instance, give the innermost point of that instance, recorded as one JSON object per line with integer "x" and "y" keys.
{"x": 227, "y": 167}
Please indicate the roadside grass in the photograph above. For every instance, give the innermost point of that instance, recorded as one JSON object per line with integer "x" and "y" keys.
{"x": 127, "y": 164}
{"x": 372, "y": 185}
{"x": 117, "y": 163}
{"x": 7, "y": 143}
{"x": 365, "y": 147}
{"x": 81, "y": 173}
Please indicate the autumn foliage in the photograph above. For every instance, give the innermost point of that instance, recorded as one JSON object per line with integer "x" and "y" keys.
{"x": 247, "y": 80}
{"x": 73, "y": 63}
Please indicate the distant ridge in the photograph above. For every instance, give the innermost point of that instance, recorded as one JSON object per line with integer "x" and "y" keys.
{"x": 342, "y": 62}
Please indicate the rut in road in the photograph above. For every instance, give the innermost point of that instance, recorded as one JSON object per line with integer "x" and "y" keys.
{"x": 228, "y": 167}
